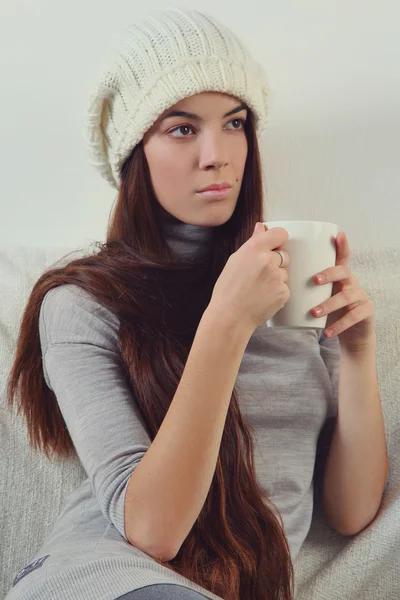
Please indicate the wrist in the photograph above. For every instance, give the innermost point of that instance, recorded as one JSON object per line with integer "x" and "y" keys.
{"x": 360, "y": 354}
{"x": 224, "y": 322}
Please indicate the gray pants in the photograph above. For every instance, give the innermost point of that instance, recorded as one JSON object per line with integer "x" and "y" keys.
{"x": 162, "y": 591}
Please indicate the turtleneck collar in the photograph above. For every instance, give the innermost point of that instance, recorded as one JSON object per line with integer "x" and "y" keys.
{"x": 185, "y": 240}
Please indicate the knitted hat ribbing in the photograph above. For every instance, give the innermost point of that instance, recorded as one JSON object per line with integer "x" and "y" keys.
{"x": 169, "y": 55}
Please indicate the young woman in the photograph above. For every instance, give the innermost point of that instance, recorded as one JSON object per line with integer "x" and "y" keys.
{"x": 197, "y": 425}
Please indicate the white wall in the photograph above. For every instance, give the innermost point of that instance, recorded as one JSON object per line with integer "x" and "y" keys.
{"x": 331, "y": 150}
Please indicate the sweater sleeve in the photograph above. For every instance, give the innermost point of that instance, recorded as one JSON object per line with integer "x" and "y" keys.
{"x": 330, "y": 353}
{"x": 83, "y": 367}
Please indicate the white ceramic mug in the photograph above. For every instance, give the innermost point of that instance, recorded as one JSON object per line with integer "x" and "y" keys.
{"x": 311, "y": 247}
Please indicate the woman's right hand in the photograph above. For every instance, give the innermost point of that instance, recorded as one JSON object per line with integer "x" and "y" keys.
{"x": 252, "y": 287}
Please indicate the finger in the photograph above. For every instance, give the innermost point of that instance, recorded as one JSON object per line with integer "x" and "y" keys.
{"x": 343, "y": 251}
{"x": 357, "y": 314}
{"x": 336, "y": 273}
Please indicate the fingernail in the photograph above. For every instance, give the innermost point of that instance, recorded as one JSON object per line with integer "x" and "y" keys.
{"x": 321, "y": 277}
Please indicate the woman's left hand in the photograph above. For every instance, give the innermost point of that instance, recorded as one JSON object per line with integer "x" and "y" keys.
{"x": 351, "y": 314}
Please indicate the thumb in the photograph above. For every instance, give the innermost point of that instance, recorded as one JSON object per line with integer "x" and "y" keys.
{"x": 259, "y": 227}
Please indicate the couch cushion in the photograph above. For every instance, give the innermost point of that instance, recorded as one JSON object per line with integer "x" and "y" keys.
{"x": 34, "y": 489}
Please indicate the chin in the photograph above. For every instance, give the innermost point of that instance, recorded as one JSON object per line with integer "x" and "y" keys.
{"x": 212, "y": 215}
{"x": 210, "y": 220}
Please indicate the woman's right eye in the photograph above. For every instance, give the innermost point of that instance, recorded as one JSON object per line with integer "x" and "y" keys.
{"x": 178, "y": 128}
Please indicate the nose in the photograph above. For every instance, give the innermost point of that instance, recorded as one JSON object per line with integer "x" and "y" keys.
{"x": 213, "y": 152}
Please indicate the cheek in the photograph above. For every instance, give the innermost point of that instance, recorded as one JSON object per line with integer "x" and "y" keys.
{"x": 161, "y": 163}
{"x": 169, "y": 174}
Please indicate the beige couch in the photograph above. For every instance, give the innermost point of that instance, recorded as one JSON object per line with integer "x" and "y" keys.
{"x": 329, "y": 567}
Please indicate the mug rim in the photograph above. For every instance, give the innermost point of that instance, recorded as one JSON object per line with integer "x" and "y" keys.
{"x": 300, "y": 221}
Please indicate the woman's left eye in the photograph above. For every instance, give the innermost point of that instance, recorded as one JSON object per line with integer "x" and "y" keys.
{"x": 242, "y": 122}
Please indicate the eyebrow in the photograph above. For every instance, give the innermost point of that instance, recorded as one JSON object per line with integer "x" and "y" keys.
{"x": 188, "y": 115}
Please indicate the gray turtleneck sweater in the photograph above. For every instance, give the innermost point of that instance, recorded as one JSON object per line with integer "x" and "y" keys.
{"x": 288, "y": 385}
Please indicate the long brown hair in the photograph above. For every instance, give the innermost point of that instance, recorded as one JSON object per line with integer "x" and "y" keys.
{"x": 237, "y": 548}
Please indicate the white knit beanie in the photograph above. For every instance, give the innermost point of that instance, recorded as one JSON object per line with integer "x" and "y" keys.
{"x": 169, "y": 55}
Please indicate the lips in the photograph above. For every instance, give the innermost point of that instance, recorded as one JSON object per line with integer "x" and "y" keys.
{"x": 217, "y": 186}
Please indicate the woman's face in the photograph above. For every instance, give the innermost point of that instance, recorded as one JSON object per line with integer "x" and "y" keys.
{"x": 188, "y": 153}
